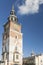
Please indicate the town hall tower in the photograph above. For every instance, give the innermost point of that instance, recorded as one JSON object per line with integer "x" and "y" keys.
{"x": 12, "y": 41}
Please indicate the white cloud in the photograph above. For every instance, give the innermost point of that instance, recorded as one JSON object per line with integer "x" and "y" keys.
{"x": 29, "y": 7}
{"x": 41, "y": 1}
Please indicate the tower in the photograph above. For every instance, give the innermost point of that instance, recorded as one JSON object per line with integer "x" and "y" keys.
{"x": 32, "y": 53}
{"x": 12, "y": 41}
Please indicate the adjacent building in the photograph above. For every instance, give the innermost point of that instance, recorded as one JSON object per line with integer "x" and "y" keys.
{"x": 33, "y": 60}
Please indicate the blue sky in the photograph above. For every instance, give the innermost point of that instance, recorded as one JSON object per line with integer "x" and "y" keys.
{"x": 30, "y": 15}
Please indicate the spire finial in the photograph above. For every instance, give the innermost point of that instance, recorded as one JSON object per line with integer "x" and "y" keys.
{"x": 12, "y": 7}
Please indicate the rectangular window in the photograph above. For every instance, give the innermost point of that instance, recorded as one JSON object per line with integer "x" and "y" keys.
{"x": 17, "y": 57}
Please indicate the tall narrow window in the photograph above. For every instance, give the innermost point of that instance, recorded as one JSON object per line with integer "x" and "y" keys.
{"x": 16, "y": 48}
{"x": 17, "y": 56}
{"x": 13, "y": 57}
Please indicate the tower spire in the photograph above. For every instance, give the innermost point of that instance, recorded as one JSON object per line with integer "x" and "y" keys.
{"x": 12, "y": 11}
{"x": 12, "y": 16}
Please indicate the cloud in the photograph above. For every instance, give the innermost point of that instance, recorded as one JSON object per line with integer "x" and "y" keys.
{"x": 29, "y": 7}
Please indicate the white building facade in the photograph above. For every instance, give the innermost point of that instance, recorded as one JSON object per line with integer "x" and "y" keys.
{"x": 33, "y": 59}
{"x": 39, "y": 59}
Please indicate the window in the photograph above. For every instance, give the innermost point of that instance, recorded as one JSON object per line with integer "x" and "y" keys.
{"x": 41, "y": 60}
{"x": 12, "y": 19}
{"x": 7, "y": 56}
{"x": 15, "y": 37}
{"x": 17, "y": 57}
{"x": 3, "y": 57}
{"x": 13, "y": 57}
{"x": 4, "y": 36}
{"x": 15, "y": 19}
{"x": 15, "y": 64}
{"x": 5, "y": 49}
{"x": 16, "y": 48}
